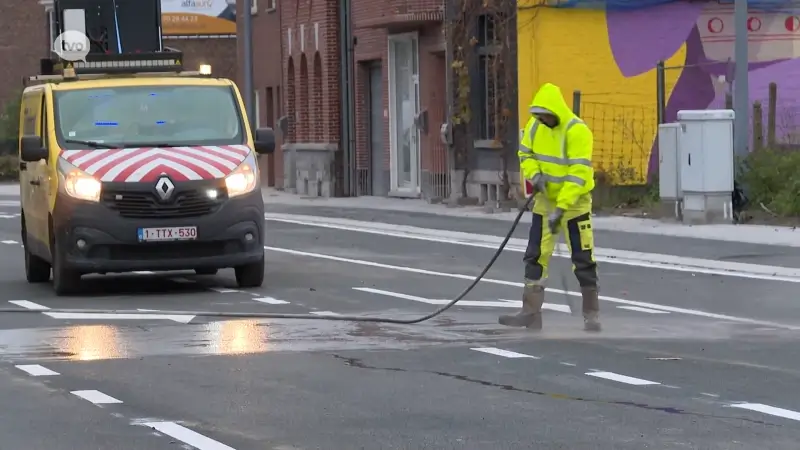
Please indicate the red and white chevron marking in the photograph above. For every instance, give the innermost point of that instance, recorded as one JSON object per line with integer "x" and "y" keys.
{"x": 147, "y": 164}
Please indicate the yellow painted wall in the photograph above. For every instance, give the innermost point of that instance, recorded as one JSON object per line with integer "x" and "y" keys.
{"x": 570, "y": 48}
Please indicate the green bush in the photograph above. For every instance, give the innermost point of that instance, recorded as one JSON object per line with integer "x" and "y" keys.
{"x": 9, "y": 167}
{"x": 772, "y": 177}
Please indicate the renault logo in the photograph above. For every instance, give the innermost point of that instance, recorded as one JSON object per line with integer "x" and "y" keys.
{"x": 164, "y": 188}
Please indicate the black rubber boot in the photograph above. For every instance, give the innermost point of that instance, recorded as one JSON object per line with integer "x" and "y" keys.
{"x": 531, "y": 314}
{"x": 591, "y": 308}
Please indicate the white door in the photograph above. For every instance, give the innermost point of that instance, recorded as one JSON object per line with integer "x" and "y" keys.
{"x": 403, "y": 110}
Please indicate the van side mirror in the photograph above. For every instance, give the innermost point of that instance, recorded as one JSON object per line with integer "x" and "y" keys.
{"x": 32, "y": 149}
{"x": 265, "y": 140}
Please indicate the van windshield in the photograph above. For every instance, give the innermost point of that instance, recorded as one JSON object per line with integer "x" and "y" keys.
{"x": 148, "y": 116}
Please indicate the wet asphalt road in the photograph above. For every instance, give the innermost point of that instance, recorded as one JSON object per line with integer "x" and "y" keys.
{"x": 655, "y": 378}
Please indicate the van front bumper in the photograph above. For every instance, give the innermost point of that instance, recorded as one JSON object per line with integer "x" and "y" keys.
{"x": 230, "y": 236}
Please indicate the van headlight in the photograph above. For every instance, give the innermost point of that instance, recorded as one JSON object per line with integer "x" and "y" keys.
{"x": 78, "y": 184}
{"x": 244, "y": 178}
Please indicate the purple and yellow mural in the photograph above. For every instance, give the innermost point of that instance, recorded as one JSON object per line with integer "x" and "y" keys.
{"x": 610, "y": 57}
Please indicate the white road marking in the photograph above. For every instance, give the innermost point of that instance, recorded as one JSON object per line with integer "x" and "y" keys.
{"x": 187, "y": 436}
{"x": 110, "y": 316}
{"x": 224, "y": 290}
{"x": 176, "y": 318}
{"x": 621, "y": 378}
{"x": 96, "y": 397}
{"x": 144, "y": 272}
{"x": 610, "y": 256}
{"x": 325, "y": 313}
{"x": 183, "y": 280}
{"x": 709, "y": 395}
{"x": 644, "y": 310}
{"x": 36, "y": 370}
{"x": 766, "y": 409}
{"x": 692, "y": 312}
{"x": 503, "y": 353}
{"x": 551, "y": 306}
{"x": 271, "y": 301}
{"x": 8, "y": 216}
{"x": 9, "y": 242}
{"x": 568, "y": 364}
{"x": 498, "y": 304}
{"x": 28, "y": 305}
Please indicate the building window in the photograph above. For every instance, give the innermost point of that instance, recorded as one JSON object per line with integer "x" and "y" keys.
{"x": 490, "y": 73}
{"x": 51, "y": 25}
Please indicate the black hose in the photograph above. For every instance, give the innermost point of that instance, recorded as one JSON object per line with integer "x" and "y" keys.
{"x": 250, "y": 315}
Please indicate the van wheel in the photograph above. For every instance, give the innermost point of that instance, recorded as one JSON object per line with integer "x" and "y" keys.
{"x": 206, "y": 271}
{"x": 65, "y": 281}
{"x": 250, "y": 275}
{"x": 37, "y": 270}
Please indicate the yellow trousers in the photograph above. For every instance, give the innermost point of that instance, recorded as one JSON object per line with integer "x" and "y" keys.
{"x": 576, "y": 223}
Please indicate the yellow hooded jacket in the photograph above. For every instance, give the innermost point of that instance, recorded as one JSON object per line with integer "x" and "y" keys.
{"x": 563, "y": 155}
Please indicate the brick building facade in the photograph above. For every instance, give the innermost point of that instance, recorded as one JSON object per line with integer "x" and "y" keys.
{"x": 23, "y": 41}
{"x": 399, "y": 90}
{"x": 267, "y": 81}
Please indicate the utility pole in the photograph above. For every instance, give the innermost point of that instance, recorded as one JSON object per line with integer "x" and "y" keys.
{"x": 741, "y": 96}
{"x": 247, "y": 35}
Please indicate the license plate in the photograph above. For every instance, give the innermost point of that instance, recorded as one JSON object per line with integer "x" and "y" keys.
{"x": 167, "y": 234}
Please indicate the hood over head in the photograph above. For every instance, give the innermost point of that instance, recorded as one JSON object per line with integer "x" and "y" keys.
{"x": 548, "y": 100}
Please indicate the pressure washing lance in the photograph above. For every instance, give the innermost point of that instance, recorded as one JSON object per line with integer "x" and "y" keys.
{"x": 259, "y": 315}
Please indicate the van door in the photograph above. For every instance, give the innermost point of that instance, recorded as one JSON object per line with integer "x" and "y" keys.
{"x": 29, "y": 171}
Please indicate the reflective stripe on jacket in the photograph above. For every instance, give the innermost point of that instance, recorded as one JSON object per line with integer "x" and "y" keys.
{"x": 563, "y": 155}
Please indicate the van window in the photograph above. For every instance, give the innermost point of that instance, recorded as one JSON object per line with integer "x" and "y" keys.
{"x": 145, "y": 116}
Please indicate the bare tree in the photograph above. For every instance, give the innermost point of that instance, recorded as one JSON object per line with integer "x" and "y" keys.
{"x": 483, "y": 38}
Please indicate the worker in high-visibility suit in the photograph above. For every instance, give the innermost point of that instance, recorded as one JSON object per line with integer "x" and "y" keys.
{"x": 555, "y": 154}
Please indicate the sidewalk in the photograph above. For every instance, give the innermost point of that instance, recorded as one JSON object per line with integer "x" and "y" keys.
{"x": 9, "y": 189}
{"x": 753, "y": 234}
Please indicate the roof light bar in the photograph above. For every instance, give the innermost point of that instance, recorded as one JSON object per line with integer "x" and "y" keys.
{"x": 130, "y": 63}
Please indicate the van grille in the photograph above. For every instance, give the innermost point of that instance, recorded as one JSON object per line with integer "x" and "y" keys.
{"x": 190, "y": 203}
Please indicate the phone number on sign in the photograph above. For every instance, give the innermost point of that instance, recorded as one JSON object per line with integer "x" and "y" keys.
{"x": 178, "y": 20}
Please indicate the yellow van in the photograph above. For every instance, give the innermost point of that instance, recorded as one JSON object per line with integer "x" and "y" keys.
{"x": 125, "y": 167}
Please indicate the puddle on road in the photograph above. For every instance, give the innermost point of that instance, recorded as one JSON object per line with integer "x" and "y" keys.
{"x": 103, "y": 341}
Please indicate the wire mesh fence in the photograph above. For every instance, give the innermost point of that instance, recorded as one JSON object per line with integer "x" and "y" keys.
{"x": 774, "y": 111}
{"x": 623, "y": 140}
{"x": 775, "y": 123}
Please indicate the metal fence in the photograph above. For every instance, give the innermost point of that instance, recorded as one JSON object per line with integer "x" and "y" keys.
{"x": 623, "y": 138}
{"x": 436, "y": 174}
{"x": 774, "y": 118}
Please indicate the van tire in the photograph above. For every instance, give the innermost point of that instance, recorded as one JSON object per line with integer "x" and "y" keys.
{"x": 65, "y": 281}
{"x": 37, "y": 270}
{"x": 250, "y": 275}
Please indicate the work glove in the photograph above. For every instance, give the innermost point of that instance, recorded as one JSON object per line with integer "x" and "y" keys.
{"x": 554, "y": 220}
